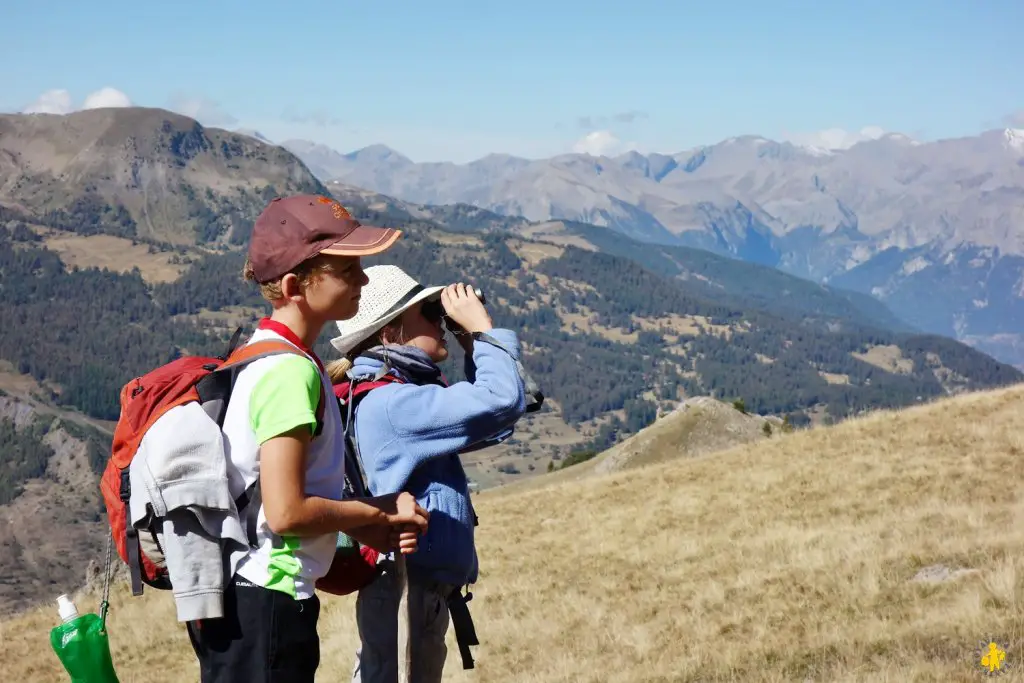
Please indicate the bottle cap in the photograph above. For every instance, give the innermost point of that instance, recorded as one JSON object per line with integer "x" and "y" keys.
{"x": 66, "y": 608}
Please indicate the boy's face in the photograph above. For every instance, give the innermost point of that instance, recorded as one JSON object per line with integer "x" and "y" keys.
{"x": 334, "y": 295}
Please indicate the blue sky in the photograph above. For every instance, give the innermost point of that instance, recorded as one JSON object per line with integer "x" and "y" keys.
{"x": 453, "y": 81}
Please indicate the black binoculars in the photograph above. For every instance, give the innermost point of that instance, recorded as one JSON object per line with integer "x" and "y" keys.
{"x": 434, "y": 310}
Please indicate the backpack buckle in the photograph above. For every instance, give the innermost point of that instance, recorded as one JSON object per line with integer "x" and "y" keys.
{"x": 125, "y": 490}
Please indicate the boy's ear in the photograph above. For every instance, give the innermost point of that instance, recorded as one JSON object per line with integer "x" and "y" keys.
{"x": 290, "y": 286}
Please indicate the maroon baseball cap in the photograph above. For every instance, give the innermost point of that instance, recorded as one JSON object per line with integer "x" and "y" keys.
{"x": 293, "y": 229}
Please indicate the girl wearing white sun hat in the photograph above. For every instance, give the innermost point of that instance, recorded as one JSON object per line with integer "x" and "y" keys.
{"x": 408, "y": 432}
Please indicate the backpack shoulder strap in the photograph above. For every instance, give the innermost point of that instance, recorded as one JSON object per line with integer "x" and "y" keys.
{"x": 243, "y": 356}
{"x": 361, "y": 389}
{"x": 349, "y": 395}
{"x": 355, "y": 390}
{"x": 534, "y": 395}
{"x": 249, "y": 502}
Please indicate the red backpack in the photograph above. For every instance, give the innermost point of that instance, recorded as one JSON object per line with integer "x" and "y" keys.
{"x": 354, "y": 565}
{"x": 144, "y": 400}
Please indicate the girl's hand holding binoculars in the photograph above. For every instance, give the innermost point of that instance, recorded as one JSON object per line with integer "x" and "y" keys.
{"x": 464, "y": 308}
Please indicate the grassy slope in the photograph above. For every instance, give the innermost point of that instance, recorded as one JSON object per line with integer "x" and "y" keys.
{"x": 790, "y": 559}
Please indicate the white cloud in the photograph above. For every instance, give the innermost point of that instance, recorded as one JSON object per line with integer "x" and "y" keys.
{"x": 835, "y": 138}
{"x": 204, "y": 110}
{"x": 58, "y": 101}
{"x": 1016, "y": 119}
{"x": 106, "y": 97}
{"x": 50, "y": 102}
{"x": 602, "y": 143}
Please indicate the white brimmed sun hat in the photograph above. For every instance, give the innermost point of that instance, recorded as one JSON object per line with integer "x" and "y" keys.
{"x": 389, "y": 293}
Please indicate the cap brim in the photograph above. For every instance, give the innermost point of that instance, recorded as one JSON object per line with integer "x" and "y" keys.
{"x": 364, "y": 241}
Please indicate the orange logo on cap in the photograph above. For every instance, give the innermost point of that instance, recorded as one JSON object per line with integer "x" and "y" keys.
{"x": 337, "y": 209}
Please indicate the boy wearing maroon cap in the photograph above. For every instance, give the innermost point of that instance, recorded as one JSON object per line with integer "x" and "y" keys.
{"x": 305, "y": 255}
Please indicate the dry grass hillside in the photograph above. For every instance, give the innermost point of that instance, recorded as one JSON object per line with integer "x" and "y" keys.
{"x": 113, "y": 253}
{"x": 882, "y": 549}
{"x": 700, "y": 425}
{"x": 697, "y": 426}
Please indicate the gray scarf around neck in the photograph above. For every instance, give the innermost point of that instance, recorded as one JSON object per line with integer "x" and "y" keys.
{"x": 412, "y": 362}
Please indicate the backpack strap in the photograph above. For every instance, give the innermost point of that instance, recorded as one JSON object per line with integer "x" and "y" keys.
{"x": 219, "y": 385}
{"x": 359, "y": 389}
{"x": 254, "y": 351}
{"x": 349, "y": 396}
{"x": 462, "y": 621}
{"x": 233, "y": 344}
{"x": 534, "y": 395}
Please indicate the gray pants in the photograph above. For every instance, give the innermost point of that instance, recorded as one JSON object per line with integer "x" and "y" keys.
{"x": 377, "y": 618}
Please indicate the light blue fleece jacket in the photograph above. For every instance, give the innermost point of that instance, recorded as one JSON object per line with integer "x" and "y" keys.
{"x": 410, "y": 436}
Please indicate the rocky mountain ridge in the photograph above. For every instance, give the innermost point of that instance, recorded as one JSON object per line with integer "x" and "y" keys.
{"x": 933, "y": 229}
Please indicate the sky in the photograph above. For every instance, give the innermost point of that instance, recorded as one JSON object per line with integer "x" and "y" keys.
{"x": 454, "y": 81}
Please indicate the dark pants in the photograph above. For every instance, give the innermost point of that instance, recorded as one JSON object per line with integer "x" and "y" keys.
{"x": 265, "y": 636}
{"x": 377, "y": 617}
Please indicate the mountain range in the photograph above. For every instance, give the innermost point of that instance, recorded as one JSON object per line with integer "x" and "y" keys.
{"x": 935, "y": 230}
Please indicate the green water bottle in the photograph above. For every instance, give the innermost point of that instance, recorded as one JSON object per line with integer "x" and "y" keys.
{"x": 81, "y": 645}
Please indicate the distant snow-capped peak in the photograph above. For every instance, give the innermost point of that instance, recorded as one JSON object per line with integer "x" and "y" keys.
{"x": 1014, "y": 138}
